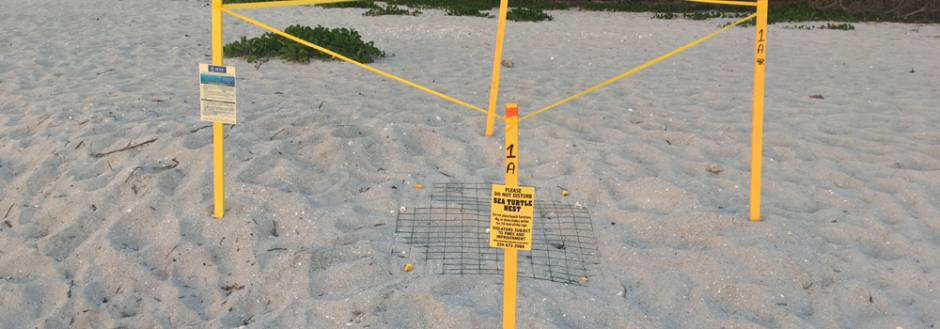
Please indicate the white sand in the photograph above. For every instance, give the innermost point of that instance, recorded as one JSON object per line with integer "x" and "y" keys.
{"x": 852, "y": 182}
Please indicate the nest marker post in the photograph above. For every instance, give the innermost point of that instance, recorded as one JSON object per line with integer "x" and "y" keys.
{"x": 512, "y": 180}
{"x": 218, "y": 131}
{"x": 760, "y": 59}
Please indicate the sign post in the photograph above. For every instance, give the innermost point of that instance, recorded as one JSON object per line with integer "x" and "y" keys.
{"x": 218, "y": 131}
{"x": 497, "y": 62}
{"x": 511, "y": 215}
{"x": 760, "y": 59}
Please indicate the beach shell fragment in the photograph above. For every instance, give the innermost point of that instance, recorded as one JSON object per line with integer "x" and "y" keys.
{"x": 713, "y": 168}
{"x": 408, "y": 268}
{"x": 584, "y": 280}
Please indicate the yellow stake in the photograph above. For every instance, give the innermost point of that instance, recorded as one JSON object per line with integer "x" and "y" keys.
{"x": 218, "y": 131}
{"x": 760, "y": 59}
{"x": 497, "y": 63}
{"x": 512, "y": 180}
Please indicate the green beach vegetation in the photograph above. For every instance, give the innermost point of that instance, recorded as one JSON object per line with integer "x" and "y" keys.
{"x": 346, "y": 42}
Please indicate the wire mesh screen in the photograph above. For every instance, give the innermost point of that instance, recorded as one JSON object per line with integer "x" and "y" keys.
{"x": 452, "y": 234}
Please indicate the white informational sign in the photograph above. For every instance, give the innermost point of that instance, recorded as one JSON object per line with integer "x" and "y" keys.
{"x": 217, "y": 93}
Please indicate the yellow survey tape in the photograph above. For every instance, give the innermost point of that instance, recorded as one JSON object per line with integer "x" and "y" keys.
{"x": 638, "y": 68}
{"x": 353, "y": 62}
{"x": 275, "y": 4}
{"x": 725, "y": 2}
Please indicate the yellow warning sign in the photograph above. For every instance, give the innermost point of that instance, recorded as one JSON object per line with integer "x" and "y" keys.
{"x": 511, "y": 215}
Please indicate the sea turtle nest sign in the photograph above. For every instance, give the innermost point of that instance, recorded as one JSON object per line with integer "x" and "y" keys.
{"x": 511, "y": 216}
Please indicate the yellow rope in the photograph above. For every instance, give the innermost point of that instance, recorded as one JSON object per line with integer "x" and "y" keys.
{"x": 638, "y": 68}
{"x": 353, "y": 62}
{"x": 274, "y": 4}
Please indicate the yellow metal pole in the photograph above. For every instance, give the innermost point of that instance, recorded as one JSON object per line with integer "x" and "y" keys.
{"x": 760, "y": 59}
{"x": 512, "y": 180}
{"x": 218, "y": 131}
{"x": 497, "y": 63}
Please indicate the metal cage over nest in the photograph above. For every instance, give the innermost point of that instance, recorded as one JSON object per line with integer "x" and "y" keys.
{"x": 452, "y": 233}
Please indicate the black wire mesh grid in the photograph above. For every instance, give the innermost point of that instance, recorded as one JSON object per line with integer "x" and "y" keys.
{"x": 452, "y": 234}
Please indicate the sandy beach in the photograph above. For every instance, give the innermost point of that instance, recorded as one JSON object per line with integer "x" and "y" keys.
{"x": 326, "y": 155}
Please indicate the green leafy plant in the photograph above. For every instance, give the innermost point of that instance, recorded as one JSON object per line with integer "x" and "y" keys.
{"x": 391, "y": 10}
{"x": 700, "y": 15}
{"x": 665, "y": 16}
{"x": 465, "y": 10}
{"x": 828, "y": 26}
{"x": 351, "y": 4}
{"x": 527, "y": 15}
{"x": 346, "y": 42}
{"x": 840, "y": 26}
